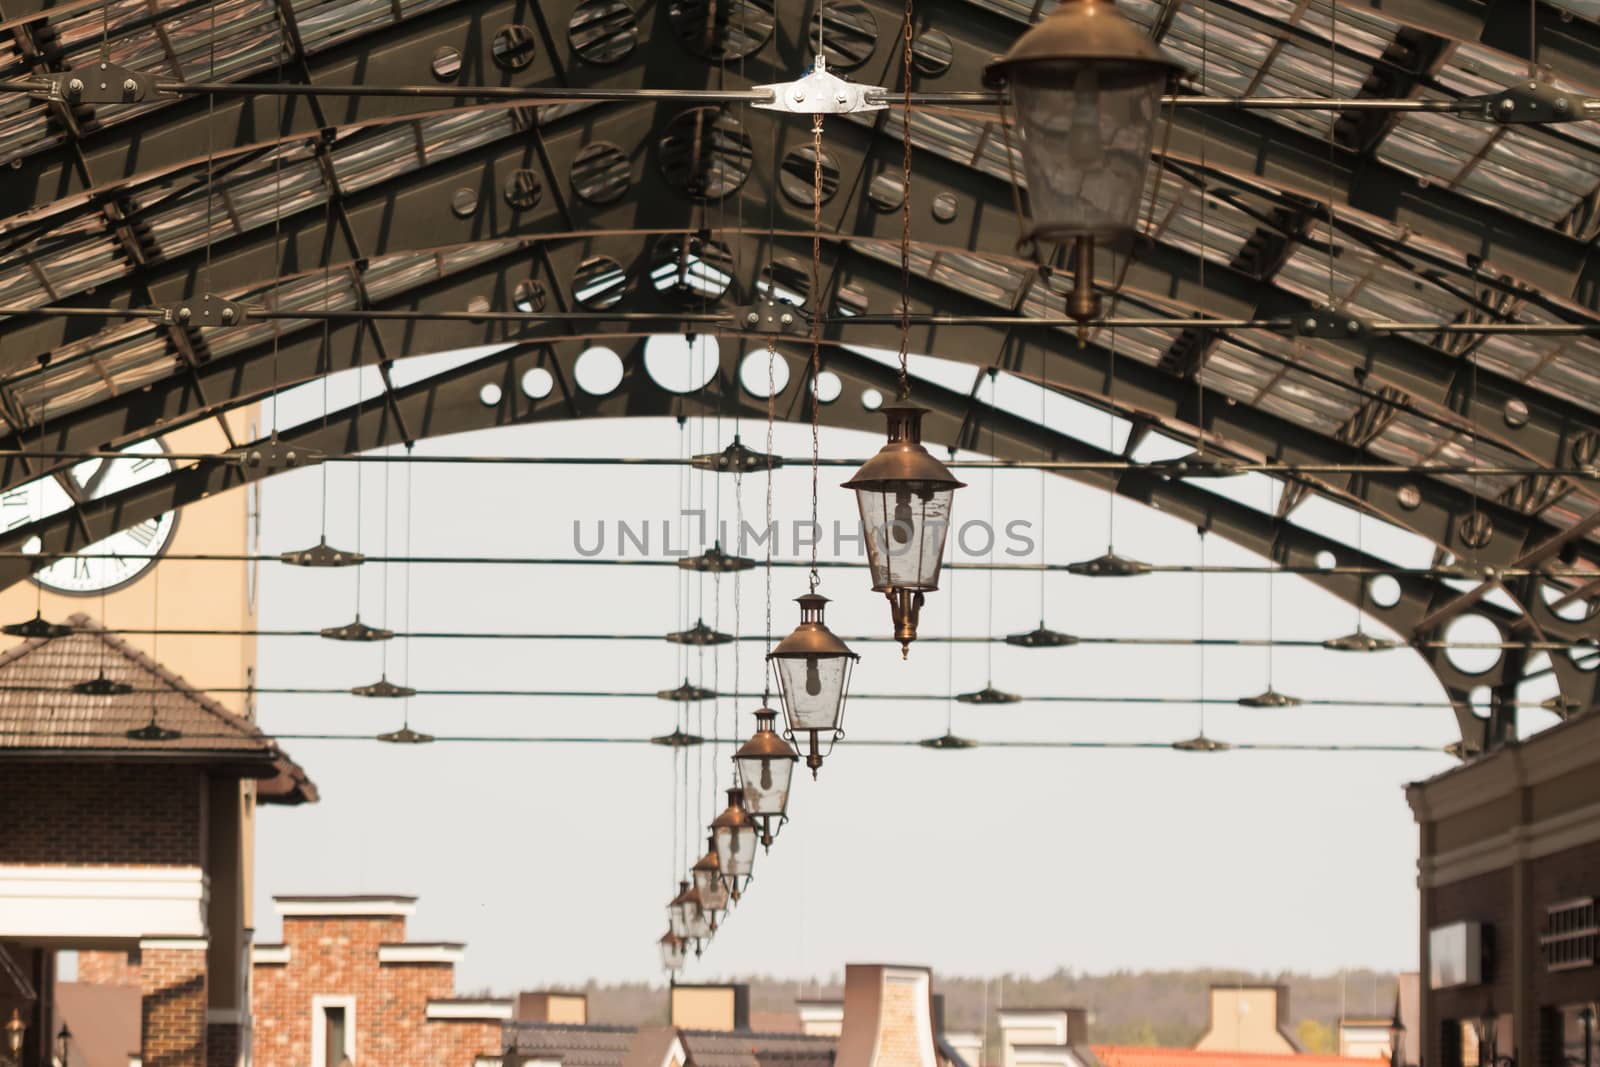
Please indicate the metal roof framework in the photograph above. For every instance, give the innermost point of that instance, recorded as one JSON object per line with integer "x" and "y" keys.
{"x": 650, "y": 206}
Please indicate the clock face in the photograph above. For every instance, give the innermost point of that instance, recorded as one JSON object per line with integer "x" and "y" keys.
{"x": 110, "y": 563}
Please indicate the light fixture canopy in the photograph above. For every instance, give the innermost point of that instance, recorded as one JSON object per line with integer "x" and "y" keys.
{"x": 813, "y": 668}
{"x": 1087, "y": 84}
{"x": 905, "y": 496}
{"x": 707, "y": 873}
{"x": 766, "y": 770}
{"x": 734, "y": 832}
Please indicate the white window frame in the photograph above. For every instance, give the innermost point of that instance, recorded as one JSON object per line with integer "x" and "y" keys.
{"x": 319, "y": 1004}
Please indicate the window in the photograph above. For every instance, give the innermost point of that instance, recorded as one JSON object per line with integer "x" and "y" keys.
{"x": 1578, "y": 1036}
{"x": 1569, "y": 935}
{"x": 333, "y": 1031}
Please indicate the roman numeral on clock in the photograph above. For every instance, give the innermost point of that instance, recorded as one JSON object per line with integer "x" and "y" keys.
{"x": 145, "y": 532}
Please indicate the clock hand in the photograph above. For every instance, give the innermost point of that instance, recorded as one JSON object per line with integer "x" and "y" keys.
{"x": 92, "y": 486}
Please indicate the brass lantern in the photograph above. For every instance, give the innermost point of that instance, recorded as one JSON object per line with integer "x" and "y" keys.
{"x": 692, "y": 918}
{"x": 672, "y": 950}
{"x": 905, "y": 495}
{"x": 735, "y": 835}
{"x": 15, "y": 1029}
{"x": 813, "y": 669}
{"x": 707, "y": 873}
{"x": 1087, "y": 86}
{"x": 766, "y": 770}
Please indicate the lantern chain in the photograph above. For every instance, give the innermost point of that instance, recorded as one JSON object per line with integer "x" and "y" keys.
{"x": 905, "y": 217}
{"x": 772, "y": 416}
{"x": 816, "y": 333}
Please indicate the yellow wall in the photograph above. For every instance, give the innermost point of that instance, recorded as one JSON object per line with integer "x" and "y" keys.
{"x": 702, "y": 1009}
{"x": 1244, "y": 1020}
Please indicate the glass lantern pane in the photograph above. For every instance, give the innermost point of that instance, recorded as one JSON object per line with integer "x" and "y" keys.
{"x": 713, "y": 894}
{"x": 736, "y": 851}
{"x": 672, "y": 955}
{"x": 1086, "y": 140}
{"x": 766, "y": 784}
{"x": 697, "y": 922}
{"x": 813, "y": 691}
{"x": 675, "y": 921}
{"x": 905, "y": 533}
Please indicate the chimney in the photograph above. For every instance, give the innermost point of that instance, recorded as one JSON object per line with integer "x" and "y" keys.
{"x": 1040, "y": 1037}
{"x": 567, "y": 1009}
{"x": 711, "y": 1007}
{"x": 888, "y": 1017}
{"x": 1248, "y": 1018}
{"x": 820, "y": 1018}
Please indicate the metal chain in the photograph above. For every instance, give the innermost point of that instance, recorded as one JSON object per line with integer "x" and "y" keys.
{"x": 772, "y": 417}
{"x": 905, "y": 219}
{"x": 816, "y": 332}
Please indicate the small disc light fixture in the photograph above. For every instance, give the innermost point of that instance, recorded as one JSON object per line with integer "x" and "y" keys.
{"x": 734, "y": 833}
{"x": 905, "y": 495}
{"x": 766, "y": 770}
{"x": 1086, "y": 83}
{"x": 813, "y": 668}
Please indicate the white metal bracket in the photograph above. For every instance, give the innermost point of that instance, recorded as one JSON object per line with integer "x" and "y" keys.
{"x": 821, "y": 93}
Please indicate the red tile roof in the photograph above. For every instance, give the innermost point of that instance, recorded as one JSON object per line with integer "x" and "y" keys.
{"x": 42, "y": 715}
{"x": 1141, "y": 1056}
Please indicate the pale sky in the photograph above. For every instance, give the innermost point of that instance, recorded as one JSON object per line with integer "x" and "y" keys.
{"x": 555, "y": 862}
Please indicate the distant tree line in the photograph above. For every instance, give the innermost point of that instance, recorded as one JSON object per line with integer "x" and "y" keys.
{"x": 1155, "y": 1008}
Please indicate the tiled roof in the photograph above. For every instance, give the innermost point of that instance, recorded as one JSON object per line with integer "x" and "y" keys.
{"x": 721, "y": 1048}
{"x": 608, "y": 1046}
{"x": 41, "y": 714}
{"x": 574, "y": 1046}
{"x": 1135, "y": 1056}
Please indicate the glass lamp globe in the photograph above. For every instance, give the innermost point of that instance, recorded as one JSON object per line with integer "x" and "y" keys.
{"x": 1087, "y": 83}
{"x": 904, "y": 495}
{"x": 813, "y": 669}
{"x": 766, "y": 770}
{"x": 734, "y": 832}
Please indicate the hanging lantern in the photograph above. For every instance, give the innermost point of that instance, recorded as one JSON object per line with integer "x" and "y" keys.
{"x": 707, "y": 873}
{"x": 766, "y": 770}
{"x": 692, "y": 919}
{"x": 673, "y": 949}
{"x": 1087, "y": 85}
{"x": 813, "y": 669}
{"x": 735, "y": 835}
{"x": 904, "y": 495}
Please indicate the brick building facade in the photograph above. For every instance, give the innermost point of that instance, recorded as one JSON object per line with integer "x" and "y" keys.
{"x": 128, "y": 812}
{"x": 1509, "y": 876}
{"x": 346, "y": 984}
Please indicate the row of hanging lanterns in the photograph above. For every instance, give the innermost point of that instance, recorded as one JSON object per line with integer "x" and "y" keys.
{"x": 1087, "y": 85}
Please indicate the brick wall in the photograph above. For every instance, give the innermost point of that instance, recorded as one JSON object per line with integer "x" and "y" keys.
{"x": 102, "y": 814}
{"x": 111, "y": 967}
{"x": 173, "y": 1021}
{"x": 339, "y": 957}
{"x": 900, "y": 1024}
